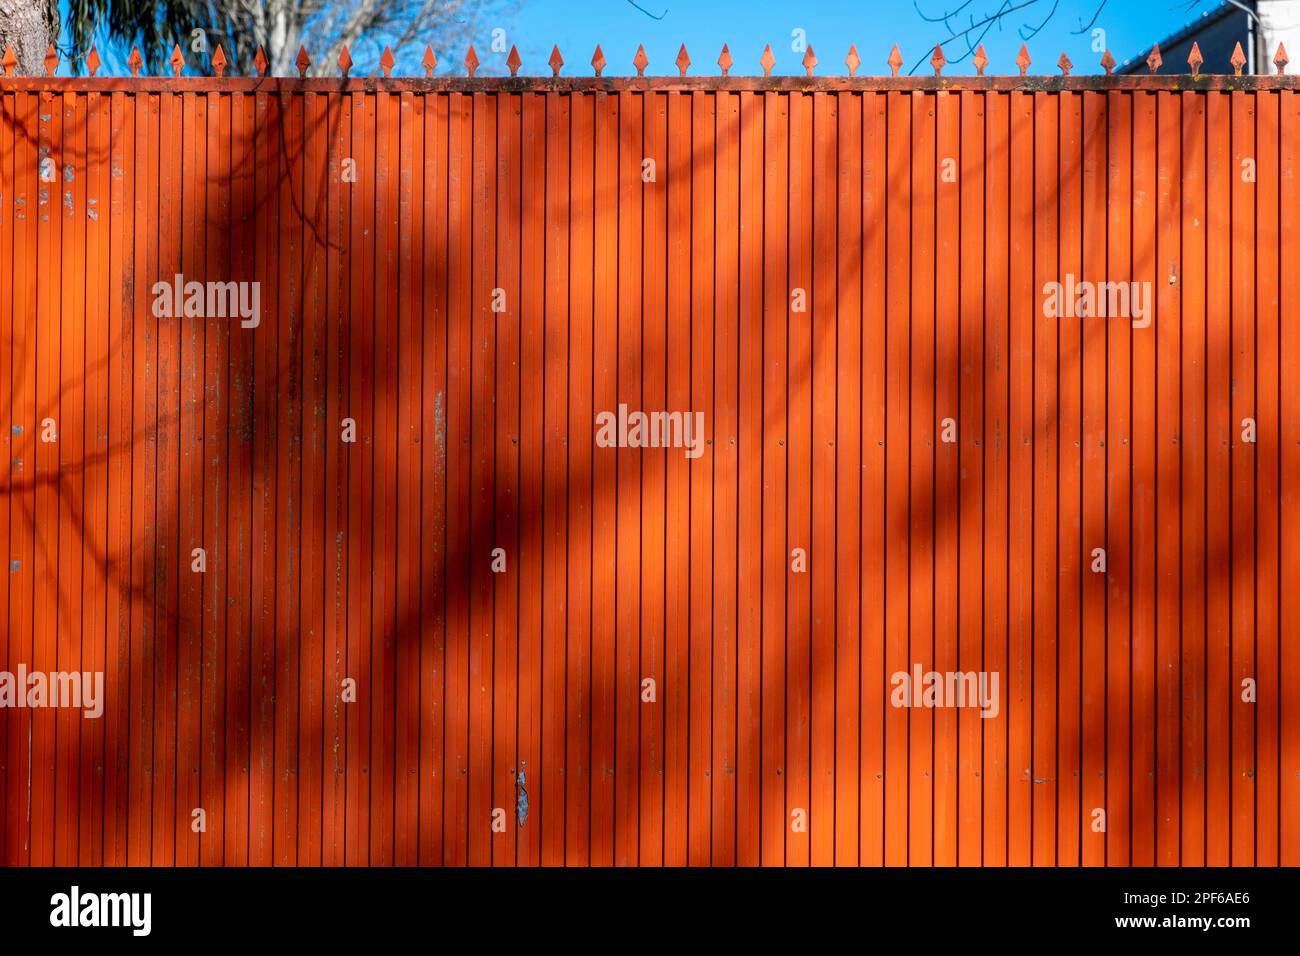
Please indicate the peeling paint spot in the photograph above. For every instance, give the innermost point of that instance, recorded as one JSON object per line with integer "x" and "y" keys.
{"x": 521, "y": 799}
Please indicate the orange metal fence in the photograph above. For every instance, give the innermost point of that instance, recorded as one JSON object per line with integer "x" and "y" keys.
{"x": 914, "y": 459}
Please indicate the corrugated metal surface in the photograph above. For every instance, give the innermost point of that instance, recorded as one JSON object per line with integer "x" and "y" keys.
{"x": 373, "y": 561}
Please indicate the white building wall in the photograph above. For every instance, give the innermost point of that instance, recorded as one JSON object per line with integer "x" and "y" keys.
{"x": 1279, "y": 22}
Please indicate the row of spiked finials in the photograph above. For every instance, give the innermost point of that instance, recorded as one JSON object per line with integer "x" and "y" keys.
{"x": 640, "y": 61}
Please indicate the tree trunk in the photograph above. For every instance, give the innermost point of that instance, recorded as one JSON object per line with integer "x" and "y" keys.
{"x": 26, "y": 25}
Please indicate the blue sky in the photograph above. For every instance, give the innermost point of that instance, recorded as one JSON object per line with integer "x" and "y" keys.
{"x": 831, "y": 25}
{"x": 1130, "y": 26}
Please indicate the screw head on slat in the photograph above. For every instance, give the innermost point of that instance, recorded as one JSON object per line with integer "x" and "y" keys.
{"x": 513, "y": 62}
{"x": 260, "y": 62}
{"x": 471, "y": 60}
{"x": 177, "y": 60}
{"x": 386, "y": 61}
{"x": 1194, "y": 59}
{"x": 895, "y": 60}
{"x": 1280, "y": 59}
{"x": 853, "y": 61}
{"x": 1154, "y": 59}
{"x": 1065, "y": 64}
{"x": 724, "y": 60}
{"x": 640, "y": 61}
{"x": 767, "y": 60}
{"x": 10, "y": 60}
{"x": 135, "y": 61}
{"x": 219, "y": 61}
{"x": 429, "y": 62}
{"x": 1238, "y": 59}
{"x": 598, "y": 60}
{"x": 937, "y": 60}
{"x": 981, "y": 59}
{"x": 51, "y": 60}
{"x": 683, "y": 60}
{"x": 1108, "y": 63}
{"x": 345, "y": 61}
{"x": 1022, "y": 59}
{"x": 92, "y": 61}
{"x": 556, "y": 61}
{"x": 304, "y": 61}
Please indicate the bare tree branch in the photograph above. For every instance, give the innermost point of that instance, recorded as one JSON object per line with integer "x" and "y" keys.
{"x": 1084, "y": 28}
{"x": 971, "y": 47}
{"x": 647, "y": 12}
{"x": 1034, "y": 31}
{"x": 988, "y": 21}
{"x": 942, "y": 18}
{"x": 280, "y": 27}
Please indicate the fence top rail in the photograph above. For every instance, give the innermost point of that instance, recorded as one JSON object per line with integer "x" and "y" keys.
{"x": 218, "y": 82}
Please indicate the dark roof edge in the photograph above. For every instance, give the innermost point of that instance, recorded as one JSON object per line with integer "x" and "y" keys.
{"x": 1224, "y": 10}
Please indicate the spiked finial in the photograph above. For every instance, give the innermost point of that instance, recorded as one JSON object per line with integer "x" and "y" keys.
{"x": 303, "y": 62}
{"x": 92, "y": 61}
{"x": 556, "y": 61}
{"x": 640, "y": 61}
{"x": 345, "y": 61}
{"x": 895, "y": 60}
{"x": 683, "y": 60}
{"x": 981, "y": 59}
{"x": 1108, "y": 63}
{"x": 429, "y": 62}
{"x": 1238, "y": 59}
{"x": 853, "y": 61}
{"x": 386, "y": 61}
{"x": 219, "y": 61}
{"x": 1065, "y": 64}
{"x": 724, "y": 60}
{"x": 1194, "y": 59}
{"x": 598, "y": 60}
{"x": 471, "y": 60}
{"x": 10, "y": 60}
{"x": 767, "y": 60}
{"x": 52, "y": 61}
{"x": 177, "y": 60}
{"x": 1280, "y": 59}
{"x": 1154, "y": 59}
{"x": 260, "y": 63}
{"x": 135, "y": 61}
{"x": 513, "y": 62}
{"x": 1022, "y": 59}
{"x": 937, "y": 60}
{"x": 809, "y": 60}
